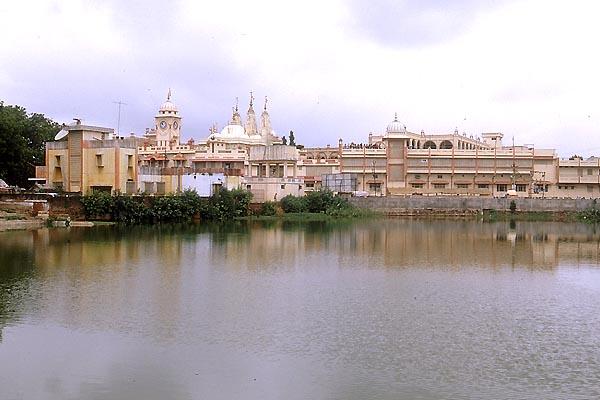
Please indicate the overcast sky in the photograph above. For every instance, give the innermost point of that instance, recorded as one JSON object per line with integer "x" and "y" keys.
{"x": 331, "y": 69}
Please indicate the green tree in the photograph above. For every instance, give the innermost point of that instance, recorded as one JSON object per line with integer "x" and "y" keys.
{"x": 22, "y": 143}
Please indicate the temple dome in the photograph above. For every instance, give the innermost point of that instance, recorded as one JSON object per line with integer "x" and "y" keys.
{"x": 233, "y": 131}
{"x": 168, "y": 106}
{"x": 395, "y": 126}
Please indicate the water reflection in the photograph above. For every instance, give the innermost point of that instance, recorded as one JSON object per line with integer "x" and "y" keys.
{"x": 370, "y": 309}
{"x": 113, "y": 265}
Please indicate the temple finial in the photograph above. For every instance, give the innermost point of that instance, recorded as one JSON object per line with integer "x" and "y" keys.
{"x": 395, "y": 117}
{"x": 236, "y": 104}
{"x": 266, "y": 100}
{"x": 251, "y": 99}
{"x": 169, "y": 95}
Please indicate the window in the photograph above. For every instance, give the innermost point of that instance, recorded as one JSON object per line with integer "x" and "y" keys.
{"x": 417, "y": 186}
{"x": 99, "y": 160}
{"x": 439, "y": 185}
{"x": 375, "y": 187}
{"x": 483, "y": 186}
{"x": 521, "y": 188}
{"x": 130, "y": 160}
{"x": 248, "y": 187}
{"x": 439, "y": 176}
{"x": 417, "y": 176}
{"x": 283, "y": 186}
{"x": 462, "y": 186}
{"x": 501, "y": 188}
{"x": 590, "y": 171}
{"x": 57, "y": 159}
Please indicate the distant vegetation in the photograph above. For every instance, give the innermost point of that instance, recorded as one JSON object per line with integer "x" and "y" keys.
{"x": 223, "y": 205}
{"x": 22, "y": 143}
{"x": 322, "y": 202}
{"x": 591, "y": 214}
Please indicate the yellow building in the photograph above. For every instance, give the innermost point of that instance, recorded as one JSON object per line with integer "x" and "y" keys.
{"x": 84, "y": 158}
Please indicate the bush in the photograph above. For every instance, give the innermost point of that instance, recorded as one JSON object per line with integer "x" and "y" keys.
{"x": 590, "y": 214}
{"x": 130, "y": 210}
{"x": 513, "y": 206}
{"x": 227, "y": 204}
{"x": 97, "y": 205}
{"x": 268, "y": 208}
{"x": 318, "y": 201}
{"x": 293, "y": 204}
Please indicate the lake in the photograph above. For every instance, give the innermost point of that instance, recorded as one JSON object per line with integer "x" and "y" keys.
{"x": 376, "y": 309}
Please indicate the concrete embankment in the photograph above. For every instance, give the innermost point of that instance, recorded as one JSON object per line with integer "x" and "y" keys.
{"x": 459, "y": 205}
{"x": 20, "y": 224}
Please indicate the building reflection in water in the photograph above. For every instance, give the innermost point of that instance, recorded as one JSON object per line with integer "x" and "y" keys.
{"x": 155, "y": 269}
{"x": 405, "y": 243}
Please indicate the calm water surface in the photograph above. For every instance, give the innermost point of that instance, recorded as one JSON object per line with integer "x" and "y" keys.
{"x": 392, "y": 309}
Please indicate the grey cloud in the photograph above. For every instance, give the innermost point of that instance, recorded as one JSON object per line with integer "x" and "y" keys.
{"x": 406, "y": 24}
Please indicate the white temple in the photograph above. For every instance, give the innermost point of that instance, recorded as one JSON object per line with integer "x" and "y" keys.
{"x": 248, "y": 133}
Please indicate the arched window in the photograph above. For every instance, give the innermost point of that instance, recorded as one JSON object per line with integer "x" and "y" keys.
{"x": 429, "y": 145}
{"x": 446, "y": 144}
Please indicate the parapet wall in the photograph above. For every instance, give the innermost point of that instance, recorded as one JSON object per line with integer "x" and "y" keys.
{"x": 32, "y": 203}
{"x": 393, "y": 205}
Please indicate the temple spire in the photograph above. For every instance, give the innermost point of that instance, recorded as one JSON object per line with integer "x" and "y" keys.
{"x": 250, "y": 127}
{"x": 236, "y": 119}
{"x": 266, "y": 100}
{"x": 169, "y": 95}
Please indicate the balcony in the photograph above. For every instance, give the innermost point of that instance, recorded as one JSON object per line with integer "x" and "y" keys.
{"x": 146, "y": 170}
{"x": 262, "y": 179}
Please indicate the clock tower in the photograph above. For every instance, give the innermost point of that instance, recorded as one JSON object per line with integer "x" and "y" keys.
{"x": 167, "y": 124}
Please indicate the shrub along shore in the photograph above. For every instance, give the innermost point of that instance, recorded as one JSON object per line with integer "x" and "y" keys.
{"x": 227, "y": 205}
{"x": 222, "y": 206}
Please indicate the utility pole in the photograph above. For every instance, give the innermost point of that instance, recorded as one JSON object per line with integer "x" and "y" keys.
{"x": 120, "y": 103}
{"x": 374, "y": 177}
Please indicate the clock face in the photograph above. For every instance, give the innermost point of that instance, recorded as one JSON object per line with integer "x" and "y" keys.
{"x": 175, "y": 125}
{"x": 163, "y": 125}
